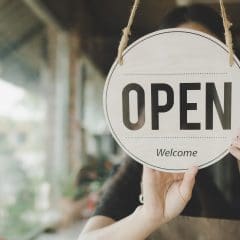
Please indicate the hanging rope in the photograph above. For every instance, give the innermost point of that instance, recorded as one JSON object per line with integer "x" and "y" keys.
{"x": 126, "y": 33}
{"x": 228, "y": 35}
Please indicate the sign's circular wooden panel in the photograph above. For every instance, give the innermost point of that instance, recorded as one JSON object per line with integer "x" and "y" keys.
{"x": 175, "y": 100}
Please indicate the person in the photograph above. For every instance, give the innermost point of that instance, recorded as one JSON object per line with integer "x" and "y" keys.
{"x": 120, "y": 215}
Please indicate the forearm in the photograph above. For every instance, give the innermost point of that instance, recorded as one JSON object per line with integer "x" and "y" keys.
{"x": 135, "y": 226}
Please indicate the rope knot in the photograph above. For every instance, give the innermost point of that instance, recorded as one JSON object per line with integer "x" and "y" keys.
{"x": 126, "y": 33}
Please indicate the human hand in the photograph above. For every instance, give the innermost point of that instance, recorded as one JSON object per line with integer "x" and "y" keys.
{"x": 234, "y": 148}
{"x": 166, "y": 194}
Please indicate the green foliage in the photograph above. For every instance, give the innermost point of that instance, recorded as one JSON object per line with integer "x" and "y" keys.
{"x": 15, "y": 223}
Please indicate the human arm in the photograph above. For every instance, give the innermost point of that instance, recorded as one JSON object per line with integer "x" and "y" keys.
{"x": 165, "y": 196}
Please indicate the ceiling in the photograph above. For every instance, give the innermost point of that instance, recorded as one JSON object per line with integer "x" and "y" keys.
{"x": 109, "y": 17}
{"x": 20, "y": 43}
{"x": 100, "y": 22}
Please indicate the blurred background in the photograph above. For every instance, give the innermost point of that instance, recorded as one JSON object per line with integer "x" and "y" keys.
{"x": 55, "y": 148}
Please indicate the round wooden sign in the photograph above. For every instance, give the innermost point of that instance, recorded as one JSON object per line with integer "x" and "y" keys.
{"x": 174, "y": 102}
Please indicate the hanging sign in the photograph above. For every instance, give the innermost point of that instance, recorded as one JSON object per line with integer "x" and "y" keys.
{"x": 175, "y": 101}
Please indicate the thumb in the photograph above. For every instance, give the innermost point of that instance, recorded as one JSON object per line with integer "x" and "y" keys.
{"x": 186, "y": 186}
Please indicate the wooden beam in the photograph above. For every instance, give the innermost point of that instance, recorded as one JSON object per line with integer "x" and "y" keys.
{"x": 21, "y": 42}
{"x": 43, "y": 13}
{"x": 74, "y": 131}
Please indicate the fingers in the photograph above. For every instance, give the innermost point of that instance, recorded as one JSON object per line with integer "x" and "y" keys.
{"x": 178, "y": 176}
{"x": 148, "y": 180}
{"x": 161, "y": 177}
{"x": 186, "y": 186}
{"x": 148, "y": 174}
{"x": 235, "y": 151}
{"x": 236, "y": 144}
{"x": 237, "y": 136}
{"x": 147, "y": 171}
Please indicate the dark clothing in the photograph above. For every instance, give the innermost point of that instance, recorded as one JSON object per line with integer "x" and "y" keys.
{"x": 216, "y": 193}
